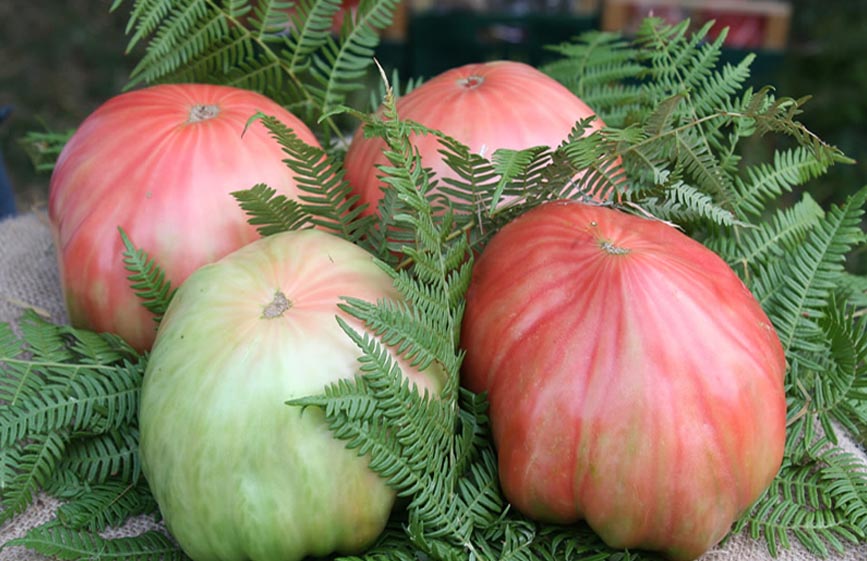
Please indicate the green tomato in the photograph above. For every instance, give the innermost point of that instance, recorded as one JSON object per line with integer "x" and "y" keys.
{"x": 237, "y": 473}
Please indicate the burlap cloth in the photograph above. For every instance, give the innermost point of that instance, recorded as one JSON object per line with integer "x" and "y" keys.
{"x": 29, "y": 278}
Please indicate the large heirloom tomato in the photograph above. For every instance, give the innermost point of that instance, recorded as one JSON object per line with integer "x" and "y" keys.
{"x": 160, "y": 163}
{"x": 238, "y": 474}
{"x": 486, "y": 106}
{"x": 633, "y": 379}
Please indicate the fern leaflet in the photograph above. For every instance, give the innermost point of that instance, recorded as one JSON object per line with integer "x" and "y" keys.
{"x": 147, "y": 279}
{"x": 76, "y": 545}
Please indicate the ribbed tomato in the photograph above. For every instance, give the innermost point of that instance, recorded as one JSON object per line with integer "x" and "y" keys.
{"x": 633, "y": 379}
{"x": 238, "y": 474}
{"x": 486, "y": 106}
{"x": 159, "y": 162}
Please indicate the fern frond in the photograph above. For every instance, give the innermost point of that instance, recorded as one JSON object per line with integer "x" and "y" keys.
{"x": 853, "y": 289}
{"x": 400, "y": 85}
{"x": 469, "y": 192}
{"x": 408, "y": 432}
{"x": 147, "y": 279}
{"x": 370, "y": 434}
{"x": 339, "y": 67}
{"x": 771, "y": 115}
{"x": 44, "y": 340}
{"x": 795, "y": 292}
{"x": 479, "y": 490}
{"x": 839, "y": 387}
{"x": 310, "y": 31}
{"x": 17, "y": 376}
{"x": 107, "y": 505}
{"x": 325, "y": 199}
{"x": 268, "y": 19}
{"x": 183, "y": 33}
{"x": 685, "y": 204}
{"x": 602, "y": 69}
{"x": 86, "y": 401}
{"x": 65, "y": 384}
{"x": 26, "y": 468}
{"x": 800, "y": 503}
{"x": 679, "y": 61}
{"x": 796, "y": 506}
{"x": 269, "y": 212}
{"x": 68, "y": 544}
{"x": 112, "y": 455}
{"x": 763, "y": 183}
{"x": 511, "y": 165}
{"x": 43, "y": 148}
{"x": 845, "y": 479}
{"x": 403, "y": 330}
{"x": 296, "y": 62}
{"x": 783, "y": 231}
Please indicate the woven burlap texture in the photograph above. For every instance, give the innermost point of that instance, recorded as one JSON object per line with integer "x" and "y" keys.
{"x": 29, "y": 279}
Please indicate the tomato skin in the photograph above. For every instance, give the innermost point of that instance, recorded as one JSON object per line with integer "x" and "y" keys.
{"x": 138, "y": 162}
{"x": 634, "y": 381}
{"x": 238, "y": 474}
{"x": 486, "y": 106}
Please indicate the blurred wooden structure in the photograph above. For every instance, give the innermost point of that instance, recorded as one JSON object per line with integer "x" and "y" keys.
{"x": 753, "y": 24}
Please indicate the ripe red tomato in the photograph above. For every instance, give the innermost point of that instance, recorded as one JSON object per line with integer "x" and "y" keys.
{"x": 633, "y": 379}
{"x": 486, "y": 106}
{"x": 160, "y": 163}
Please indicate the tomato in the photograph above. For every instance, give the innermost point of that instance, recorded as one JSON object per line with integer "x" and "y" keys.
{"x": 486, "y": 106}
{"x": 634, "y": 381}
{"x": 238, "y": 474}
{"x": 160, "y": 163}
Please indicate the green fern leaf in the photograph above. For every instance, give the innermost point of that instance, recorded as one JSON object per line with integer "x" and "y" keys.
{"x": 784, "y": 231}
{"x": 69, "y": 544}
{"x": 44, "y": 340}
{"x": 339, "y": 67}
{"x": 324, "y": 198}
{"x": 147, "y": 279}
{"x": 184, "y": 32}
{"x": 44, "y": 147}
{"x": 269, "y": 212}
{"x": 310, "y": 32}
{"x": 91, "y": 399}
{"x": 767, "y": 182}
{"x": 107, "y": 505}
{"x": 845, "y": 479}
{"x": 112, "y": 455}
{"x": 510, "y": 165}
{"x": 17, "y": 376}
{"x": 839, "y": 385}
{"x": 407, "y": 432}
{"x": 684, "y": 204}
{"x": 797, "y": 505}
{"x": 795, "y": 292}
{"x": 403, "y": 329}
{"x": 602, "y": 69}
{"x": 468, "y": 193}
{"x": 25, "y": 469}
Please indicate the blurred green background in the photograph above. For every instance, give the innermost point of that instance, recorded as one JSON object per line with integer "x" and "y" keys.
{"x": 60, "y": 60}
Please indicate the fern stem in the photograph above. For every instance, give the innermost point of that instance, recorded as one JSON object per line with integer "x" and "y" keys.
{"x": 462, "y": 231}
{"x": 286, "y": 68}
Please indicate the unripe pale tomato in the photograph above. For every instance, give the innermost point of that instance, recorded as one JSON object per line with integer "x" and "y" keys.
{"x": 238, "y": 474}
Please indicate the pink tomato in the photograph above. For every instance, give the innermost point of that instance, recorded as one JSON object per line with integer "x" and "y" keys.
{"x": 160, "y": 163}
{"x": 634, "y": 381}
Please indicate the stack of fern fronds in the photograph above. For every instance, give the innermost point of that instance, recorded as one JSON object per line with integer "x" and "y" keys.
{"x": 679, "y": 122}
